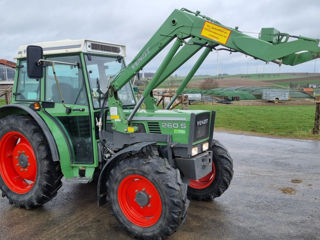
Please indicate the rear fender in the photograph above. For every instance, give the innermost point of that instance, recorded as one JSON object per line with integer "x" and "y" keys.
{"x": 57, "y": 139}
{"x": 22, "y": 109}
{"x": 102, "y": 188}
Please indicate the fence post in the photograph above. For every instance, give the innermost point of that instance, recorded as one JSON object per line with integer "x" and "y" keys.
{"x": 315, "y": 129}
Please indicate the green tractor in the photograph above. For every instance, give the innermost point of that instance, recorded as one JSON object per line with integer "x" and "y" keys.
{"x": 74, "y": 115}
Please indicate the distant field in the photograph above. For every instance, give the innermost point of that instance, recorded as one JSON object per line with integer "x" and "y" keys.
{"x": 267, "y": 79}
{"x": 285, "y": 121}
{"x": 288, "y": 83}
{"x": 279, "y": 76}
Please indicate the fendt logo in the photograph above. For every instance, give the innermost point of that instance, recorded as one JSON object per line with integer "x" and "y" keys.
{"x": 202, "y": 122}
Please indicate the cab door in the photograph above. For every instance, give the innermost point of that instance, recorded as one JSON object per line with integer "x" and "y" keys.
{"x": 68, "y": 105}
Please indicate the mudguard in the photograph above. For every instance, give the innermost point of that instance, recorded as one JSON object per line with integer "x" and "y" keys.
{"x": 101, "y": 187}
{"x": 22, "y": 109}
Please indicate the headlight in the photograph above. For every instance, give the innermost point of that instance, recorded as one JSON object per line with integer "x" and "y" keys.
{"x": 205, "y": 146}
{"x": 194, "y": 151}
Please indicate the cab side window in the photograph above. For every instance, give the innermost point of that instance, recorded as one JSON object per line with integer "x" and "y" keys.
{"x": 70, "y": 79}
{"x": 27, "y": 88}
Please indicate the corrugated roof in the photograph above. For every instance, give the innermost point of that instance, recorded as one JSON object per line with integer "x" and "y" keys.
{"x": 8, "y": 63}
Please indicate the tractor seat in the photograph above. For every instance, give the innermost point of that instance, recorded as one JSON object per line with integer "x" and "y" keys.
{"x": 68, "y": 93}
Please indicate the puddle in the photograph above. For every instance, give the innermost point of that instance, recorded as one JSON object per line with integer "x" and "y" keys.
{"x": 288, "y": 190}
{"x": 296, "y": 180}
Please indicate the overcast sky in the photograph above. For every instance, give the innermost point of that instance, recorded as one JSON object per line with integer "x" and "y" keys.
{"x": 133, "y": 22}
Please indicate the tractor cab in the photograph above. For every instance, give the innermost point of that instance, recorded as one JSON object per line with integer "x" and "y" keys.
{"x": 73, "y": 79}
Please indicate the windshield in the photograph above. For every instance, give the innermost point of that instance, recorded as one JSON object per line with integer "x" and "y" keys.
{"x": 101, "y": 71}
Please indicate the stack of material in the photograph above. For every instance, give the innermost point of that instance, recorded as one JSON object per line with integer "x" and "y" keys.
{"x": 7, "y": 72}
{"x": 6, "y": 93}
{"x": 316, "y": 129}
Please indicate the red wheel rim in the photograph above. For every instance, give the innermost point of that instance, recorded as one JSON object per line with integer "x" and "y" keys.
{"x": 143, "y": 215}
{"x": 18, "y": 164}
{"x": 205, "y": 181}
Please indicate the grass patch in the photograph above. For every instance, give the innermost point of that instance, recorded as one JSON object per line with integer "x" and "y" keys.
{"x": 285, "y": 121}
{"x": 2, "y": 102}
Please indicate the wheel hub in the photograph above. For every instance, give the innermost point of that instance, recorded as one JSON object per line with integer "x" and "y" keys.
{"x": 139, "y": 200}
{"x": 23, "y": 160}
{"x": 18, "y": 163}
{"x": 142, "y": 198}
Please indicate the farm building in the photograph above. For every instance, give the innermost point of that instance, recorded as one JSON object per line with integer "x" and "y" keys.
{"x": 7, "y": 70}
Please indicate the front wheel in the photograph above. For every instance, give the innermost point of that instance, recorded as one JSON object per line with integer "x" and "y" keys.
{"x": 147, "y": 197}
{"x": 218, "y": 180}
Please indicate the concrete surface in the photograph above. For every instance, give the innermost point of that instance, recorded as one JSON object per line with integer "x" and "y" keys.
{"x": 275, "y": 194}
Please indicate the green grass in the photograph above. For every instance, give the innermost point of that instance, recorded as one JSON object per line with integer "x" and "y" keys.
{"x": 2, "y": 102}
{"x": 285, "y": 121}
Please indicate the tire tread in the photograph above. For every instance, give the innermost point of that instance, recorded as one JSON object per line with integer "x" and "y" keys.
{"x": 175, "y": 191}
{"x": 49, "y": 177}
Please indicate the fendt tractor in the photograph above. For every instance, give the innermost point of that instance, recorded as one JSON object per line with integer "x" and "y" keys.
{"x": 74, "y": 115}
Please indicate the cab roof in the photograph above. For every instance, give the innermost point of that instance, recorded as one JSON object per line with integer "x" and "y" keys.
{"x": 72, "y": 46}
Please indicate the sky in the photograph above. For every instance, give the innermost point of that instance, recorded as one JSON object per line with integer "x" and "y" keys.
{"x": 133, "y": 23}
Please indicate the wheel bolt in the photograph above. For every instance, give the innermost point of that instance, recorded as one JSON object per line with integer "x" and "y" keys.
{"x": 18, "y": 151}
{"x": 149, "y": 205}
{"x": 136, "y": 190}
{"x": 28, "y": 164}
{"x": 150, "y": 196}
{"x": 16, "y": 157}
{"x": 143, "y": 189}
{"x": 17, "y": 164}
{"x": 26, "y": 169}
{"x": 21, "y": 170}
{"x": 23, "y": 151}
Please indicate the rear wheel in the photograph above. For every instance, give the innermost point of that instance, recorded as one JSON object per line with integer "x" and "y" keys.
{"x": 28, "y": 176}
{"x": 147, "y": 197}
{"x": 218, "y": 180}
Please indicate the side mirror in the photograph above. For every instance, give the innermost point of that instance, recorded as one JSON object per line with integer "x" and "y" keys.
{"x": 34, "y": 67}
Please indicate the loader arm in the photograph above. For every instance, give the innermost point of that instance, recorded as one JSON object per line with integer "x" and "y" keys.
{"x": 191, "y": 32}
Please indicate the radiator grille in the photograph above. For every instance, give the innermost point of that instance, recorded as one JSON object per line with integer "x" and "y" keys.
{"x": 154, "y": 127}
{"x": 201, "y": 126}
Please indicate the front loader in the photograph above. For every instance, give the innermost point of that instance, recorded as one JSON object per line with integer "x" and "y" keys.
{"x": 74, "y": 115}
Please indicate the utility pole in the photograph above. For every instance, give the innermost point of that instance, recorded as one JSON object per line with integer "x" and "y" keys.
{"x": 316, "y": 129}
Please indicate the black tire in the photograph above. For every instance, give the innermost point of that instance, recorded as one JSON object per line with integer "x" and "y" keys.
{"x": 47, "y": 174}
{"x": 165, "y": 179}
{"x": 223, "y": 165}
